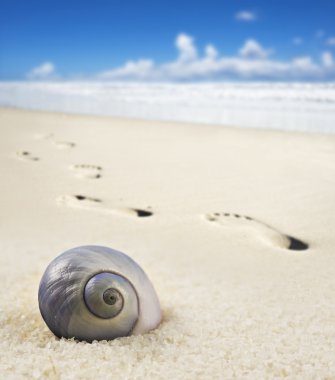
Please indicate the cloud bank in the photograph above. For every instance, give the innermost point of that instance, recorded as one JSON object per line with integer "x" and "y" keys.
{"x": 252, "y": 62}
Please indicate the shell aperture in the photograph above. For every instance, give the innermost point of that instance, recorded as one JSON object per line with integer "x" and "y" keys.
{"x": 97, "y": 293}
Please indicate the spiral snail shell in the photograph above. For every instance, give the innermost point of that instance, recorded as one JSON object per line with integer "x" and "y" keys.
{"x": 97, "y": 293}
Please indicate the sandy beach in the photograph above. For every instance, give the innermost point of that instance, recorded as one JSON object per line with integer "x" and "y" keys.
{"x": 234, "y": 227}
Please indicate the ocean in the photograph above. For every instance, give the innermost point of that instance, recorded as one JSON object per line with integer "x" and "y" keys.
{"x": 308, "y": 107}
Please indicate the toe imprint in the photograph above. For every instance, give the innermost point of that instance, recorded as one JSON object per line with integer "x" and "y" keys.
{"x": 87, "y": 171}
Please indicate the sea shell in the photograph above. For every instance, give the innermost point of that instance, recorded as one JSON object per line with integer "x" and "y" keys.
{"x": 97, "y": 293}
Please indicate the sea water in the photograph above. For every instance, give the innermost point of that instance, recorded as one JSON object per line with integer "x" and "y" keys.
{"x": 284, "y": 106}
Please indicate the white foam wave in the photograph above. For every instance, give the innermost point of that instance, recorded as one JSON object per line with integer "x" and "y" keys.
{"x": 288, "y": 106}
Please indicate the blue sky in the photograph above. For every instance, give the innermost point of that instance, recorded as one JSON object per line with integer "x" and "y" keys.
{"x": 177, "y": 40}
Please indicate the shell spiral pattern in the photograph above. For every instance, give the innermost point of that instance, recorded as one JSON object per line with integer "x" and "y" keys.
{"x": 97, "y": 293}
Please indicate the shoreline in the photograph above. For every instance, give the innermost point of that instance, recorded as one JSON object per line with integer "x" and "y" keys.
{"x": 303, "y": 107}
{"x": 191, "y": 124}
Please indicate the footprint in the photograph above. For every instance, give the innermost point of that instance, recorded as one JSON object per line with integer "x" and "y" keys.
{"x": 57, "y": 144}
{"x": 96, "y": 204}
{"x": 87, "y": 171}
{"x": 64, "y": 144}
{"x": 25, "y": 155}
{"x": 264, "y": 231}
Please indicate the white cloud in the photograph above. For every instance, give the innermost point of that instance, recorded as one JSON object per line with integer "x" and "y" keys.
{"x": 211, "y": 52}
{"x": 246, "y": 16}
{"x": 186, "y": 47}
{"x": 327, "y": 60}
{"x": 44, "y": 71}
{"x": 297, "y": 40}
{"x": 141, "y": 69}
{"x": 331, "y": 41}
{"x": 253, "y": 49}
{"x": 252, "y": 61}
{"x": 305, "y": 64}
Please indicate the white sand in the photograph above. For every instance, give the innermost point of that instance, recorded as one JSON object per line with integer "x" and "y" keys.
{"x": 236, "y": 302}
